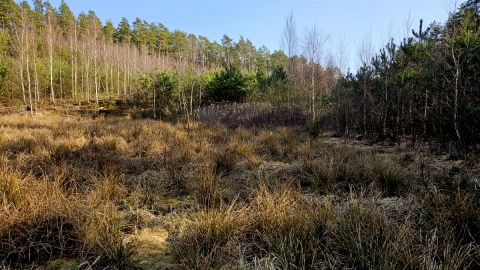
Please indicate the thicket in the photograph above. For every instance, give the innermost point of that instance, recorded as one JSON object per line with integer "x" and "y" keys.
{"x": 425, "y": 87}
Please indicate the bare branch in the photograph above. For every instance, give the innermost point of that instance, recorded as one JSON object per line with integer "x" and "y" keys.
{"x": 289, "y": 39}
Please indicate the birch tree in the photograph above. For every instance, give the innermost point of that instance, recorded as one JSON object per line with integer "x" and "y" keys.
{"x": 314, "y": 40}
{"x": 21, "y": 44}
{"x": 289, "y": 42}
{"x": 51, "y": 34}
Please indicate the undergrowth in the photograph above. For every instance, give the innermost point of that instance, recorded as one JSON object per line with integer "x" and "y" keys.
{"x": 78, "y": 190}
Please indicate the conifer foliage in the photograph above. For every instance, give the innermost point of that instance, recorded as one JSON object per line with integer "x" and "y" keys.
{"x": 425, "y": 87}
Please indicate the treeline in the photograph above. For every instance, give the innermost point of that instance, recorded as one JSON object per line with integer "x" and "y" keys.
{"x": 48, "y": 53}
{"x": 427, "y": 87}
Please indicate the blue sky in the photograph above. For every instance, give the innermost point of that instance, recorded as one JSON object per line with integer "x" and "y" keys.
{"x": 262, "y": 21}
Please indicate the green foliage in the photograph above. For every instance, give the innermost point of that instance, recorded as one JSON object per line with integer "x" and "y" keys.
{"x": 262, "y": 80}
{"x": 66, "y": 18}
{"x": 139, "y": 33}
{"x": 423, "y": 87}
{"x": 278, "y": 74}
{"x": 179, "y": 43}
{"x": 109, "y": 31}
{"x": 166, "y": 87}
{"x": 5, "y": 64}
{"x": 167, "y": 82}
{"x": 230, "y": 85}
{"x": 9, "y": 12}
{"x": 145, "y": 81}
{"x": 4, "y": 41}
{"x": 279, "y": 59}
{"x": 124, "y": 32}
{"x": 145, "y": 86}
{"x": 276, "y": 88}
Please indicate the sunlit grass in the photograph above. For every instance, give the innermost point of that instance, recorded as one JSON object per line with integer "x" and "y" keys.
{"x": 80, "y": 190}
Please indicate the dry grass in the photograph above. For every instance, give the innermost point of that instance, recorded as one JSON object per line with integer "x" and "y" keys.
{"x": 210, "y": 238}
{"x": 42, "y": 221}
{"x": 88, "y": 193}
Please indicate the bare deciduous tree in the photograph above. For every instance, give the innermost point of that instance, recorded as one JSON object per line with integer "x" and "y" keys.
{"x": 314, "y": 40}
{"x": 51, "y": 33}
{"x": 21, "y": 44}
{"x": 341, "y": 56}
{"x": 289, "y": 42}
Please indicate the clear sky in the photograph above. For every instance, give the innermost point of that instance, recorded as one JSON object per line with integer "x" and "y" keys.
{"x": 262, "y": 21}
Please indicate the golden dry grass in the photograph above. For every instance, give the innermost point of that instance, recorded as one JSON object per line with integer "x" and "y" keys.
{"x": 124, "y": 193}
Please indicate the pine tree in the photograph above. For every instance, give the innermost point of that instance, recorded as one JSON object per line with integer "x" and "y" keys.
{"x": 109, "y": 31}
{"x": 124, "y": 32}
{"x": 9, "y": 14}
{"x": 421, "y": 34}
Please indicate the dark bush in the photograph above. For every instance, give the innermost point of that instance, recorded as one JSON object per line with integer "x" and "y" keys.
{"x": 228, "y": 85}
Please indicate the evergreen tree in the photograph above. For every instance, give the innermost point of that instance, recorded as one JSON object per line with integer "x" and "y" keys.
{"x": 228, "y": 85}
{"x": 9, "y": 14}
{"x": 179, "y": 45}
{"x": 165, "y": 38}
{"x": 227, "y": 50}
{"x": 109, "y": 31}
{"x": 124, "y": 32}
{"x": 66, "y": 19}
{"x": 139, "y": 33}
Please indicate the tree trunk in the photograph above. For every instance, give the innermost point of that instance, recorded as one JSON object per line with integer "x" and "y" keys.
{"x": 87, "y": 77}
{"x": 60, "y": 76}
{"x": 22, "y": 49}
{"x": 154, "y": 104}
{"x": 107, "y": 90}
{"x": 50, "y": 57}
{"x": 36, "y": 89}
{"x": 385, "y": 108}
{"x": 75, "y": 68}
{"x": 30, "y": 104}
{"x": 191, "y": 99}
{"x": 365, "y": 106}
{"x": 313, "y": 92}
{"x": 95, "y": 71}
{"x": 455, "y": 104}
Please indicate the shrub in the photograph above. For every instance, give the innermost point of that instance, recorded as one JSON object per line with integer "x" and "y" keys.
{"x": 228, "y": 85}
{"x": 167, "y": 93}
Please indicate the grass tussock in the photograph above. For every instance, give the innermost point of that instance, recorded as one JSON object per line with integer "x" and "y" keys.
{"x": 210, "y": 239}
{"x": 341, "y": 168}
{"x": 41, "y": 221}
{"x": 369, "y": 238}
{"x": 78, "y": 192}
{"x": 289, "y": 227}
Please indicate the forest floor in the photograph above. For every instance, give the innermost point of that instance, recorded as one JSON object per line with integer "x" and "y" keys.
{"x": 88, "y": 191}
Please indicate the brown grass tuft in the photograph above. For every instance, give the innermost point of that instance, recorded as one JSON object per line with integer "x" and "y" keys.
{"x": 79, "y": 191}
